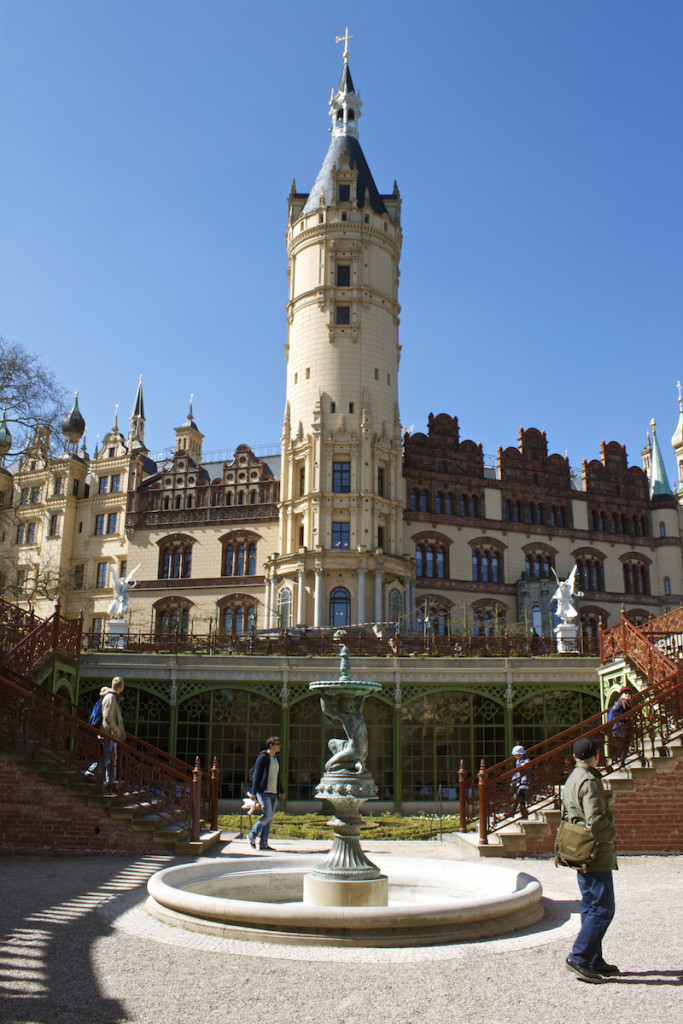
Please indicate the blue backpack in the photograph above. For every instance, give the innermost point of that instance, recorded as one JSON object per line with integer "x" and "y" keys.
{"x": 96, "y": 715}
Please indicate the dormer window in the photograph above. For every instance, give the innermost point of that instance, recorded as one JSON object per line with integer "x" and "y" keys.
{"x": 344, "y": 193}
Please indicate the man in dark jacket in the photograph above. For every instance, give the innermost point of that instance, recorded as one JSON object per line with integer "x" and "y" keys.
{"x": 266, "y": 786}
{"x": 585, "y": 801}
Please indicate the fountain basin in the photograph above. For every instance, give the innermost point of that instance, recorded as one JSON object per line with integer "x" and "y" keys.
{"x": 431, "y": 902}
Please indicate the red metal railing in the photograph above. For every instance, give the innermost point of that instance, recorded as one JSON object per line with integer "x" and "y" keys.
{"x": 656, "y": 714}
{"x": 25, "y": 639}
{"x": 302, "y": 642}
{"x": 40, "y": 726}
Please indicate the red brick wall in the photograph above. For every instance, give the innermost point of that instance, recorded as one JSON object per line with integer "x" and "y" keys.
{"x": 38, "y": 817}
{"x": 648, "y": 819}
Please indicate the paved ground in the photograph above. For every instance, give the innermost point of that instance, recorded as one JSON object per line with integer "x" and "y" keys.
{"x": 77, "y": 948}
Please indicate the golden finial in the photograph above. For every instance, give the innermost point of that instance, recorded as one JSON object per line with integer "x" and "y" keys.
{"x": 345, "y": 39}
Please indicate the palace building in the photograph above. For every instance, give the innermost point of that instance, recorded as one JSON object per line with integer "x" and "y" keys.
{"x": 352, "y": 521}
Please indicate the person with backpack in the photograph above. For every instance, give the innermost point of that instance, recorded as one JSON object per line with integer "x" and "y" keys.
{"x": 266, "y": 787}
{"x": 519, "y": 781}
{"x": 622, "y": 731}
{"x": 108, "y": 718}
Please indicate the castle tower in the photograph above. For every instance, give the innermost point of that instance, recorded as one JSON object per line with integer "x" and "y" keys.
{"x": 341, "y": 490}
{"x": 188, "y": 436}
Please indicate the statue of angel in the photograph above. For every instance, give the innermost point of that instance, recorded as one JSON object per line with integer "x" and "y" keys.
{"x": 563, "y": 595}
{"x": 119, "y": 605}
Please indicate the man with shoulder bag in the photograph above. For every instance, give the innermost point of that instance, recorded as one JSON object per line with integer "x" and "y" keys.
{"x": 585, "y": 802}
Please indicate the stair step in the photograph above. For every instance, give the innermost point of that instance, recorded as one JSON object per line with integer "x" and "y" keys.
{"x": 123, "y": 811}
{"x": 146, "y": 823}
{"x": 206, "y": 841}
{"x": 535, "y": 827}
{"x": 643, "y": 774}
{"x": 620, "y": 783}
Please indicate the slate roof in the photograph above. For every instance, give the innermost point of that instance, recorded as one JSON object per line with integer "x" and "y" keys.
{"x": 340, "y": 145}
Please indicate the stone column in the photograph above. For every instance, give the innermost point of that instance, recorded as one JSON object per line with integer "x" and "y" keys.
{"x": 301, "y": 602}
{"x": 379, "y": 575}
{"x": 318, "y": 597}
{"x": 360, "y": 616}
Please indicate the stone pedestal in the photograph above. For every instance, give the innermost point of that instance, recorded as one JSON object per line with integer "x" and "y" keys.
{"x": 335, "y": 892}
{"x": 567, "y": 638}
{"x": 117, "y": 633}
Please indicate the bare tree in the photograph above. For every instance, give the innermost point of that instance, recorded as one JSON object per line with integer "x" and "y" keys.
{"x": 30, "y": 394}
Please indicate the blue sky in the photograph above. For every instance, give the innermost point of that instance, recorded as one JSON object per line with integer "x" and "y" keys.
{"x": 149, "y": 146}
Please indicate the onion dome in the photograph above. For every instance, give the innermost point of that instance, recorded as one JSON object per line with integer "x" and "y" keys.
{"x": 73, "y": 425}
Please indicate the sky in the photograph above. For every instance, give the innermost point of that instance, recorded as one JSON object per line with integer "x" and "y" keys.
{"x": 149, "y": 147}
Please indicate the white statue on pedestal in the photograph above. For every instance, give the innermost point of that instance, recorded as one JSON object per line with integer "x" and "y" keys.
{"x": 563, "y": 595}
{"x": 119, "y": 605}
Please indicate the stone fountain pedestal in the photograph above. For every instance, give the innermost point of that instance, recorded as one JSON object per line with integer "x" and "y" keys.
{"x": 346, "y": 878}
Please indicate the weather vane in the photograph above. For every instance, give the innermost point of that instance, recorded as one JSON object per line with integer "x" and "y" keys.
{"x": 345, "y": 38}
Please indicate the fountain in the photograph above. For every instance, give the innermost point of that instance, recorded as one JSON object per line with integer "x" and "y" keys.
{"x": 346, "y": 899}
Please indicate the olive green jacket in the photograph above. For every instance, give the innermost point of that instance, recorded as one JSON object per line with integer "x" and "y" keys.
{"x": 585, "y": 800}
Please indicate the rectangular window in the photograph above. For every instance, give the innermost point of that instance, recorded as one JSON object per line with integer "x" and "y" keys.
{"x": 112, "y": 453}
{"x": 24, "y": 495}
{"x": 302, "y": 481}
{"x": 99, "y": 525}
{"x": 54, "y": 526}
{"x": 343, "y": 314}
{"x": 101, "y": 580}
{"x": 115, "y": 483}
{"x": 343, "y": 276}
{"x": 380, "y": 482}
{"x": 74, "y": 489}
{"x": 112, "y": 520}
{"x": 344, "y": 193}
{"x": 124, "y": 568}
{"x": 96, "y": 625}
{"x": 78, "y": 577}
{"x": 341, "y": 477}
{"x": 31, "y": 533}
{"x": 59, "y": 482}
{"x": 341, "y": 535}
{"x": 21, "y": 533}
{"x": 380, "y": 537}
{"x": 102, "y": 486}
{"x": 21, "y": 578}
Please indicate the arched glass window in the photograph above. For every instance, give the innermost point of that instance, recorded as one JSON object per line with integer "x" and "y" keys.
{"x": 229, "y": 556}
{"x": 413, "y": 500}
{"x": 395, "y": 604}
{"x": 438, "y": 504}
{"x": 239, "y": 571}
{"x": 284, "y": 607}
{"x": 424, "y": 502}
{"x": 667, "y": 585}
{"x": 536, "y": 620}
{"x": 251, "y": 619}
{"x": 228, "y": 619}
{"x": 463, "y": 505}
{"x": 430, "y": 561}
{"x": 340, "y": 607}
{"x": 494, "y": 567}
{"x": 449, "y": 505}
{"x": 473, "y": 507}
{"x": 239, "y": 621}
{"x": 440, "y": 563}
{"x": 419, "y": 562}
{"x": 475, "y": 566}
{"x": 484, "y": 561}
{"x": 177, "y": 563}
{"x": 251, "y": 567}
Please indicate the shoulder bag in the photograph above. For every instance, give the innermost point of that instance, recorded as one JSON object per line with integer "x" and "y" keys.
{"x": 574, "y": 846}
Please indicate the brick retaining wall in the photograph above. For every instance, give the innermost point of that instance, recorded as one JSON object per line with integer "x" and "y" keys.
{"x": 38, "y": 817}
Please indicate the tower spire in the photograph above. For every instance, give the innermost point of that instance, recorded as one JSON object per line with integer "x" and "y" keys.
{"x": 659, "y": 482}
{"x": 136, "y": 432}
{"x": 345, "y": 103}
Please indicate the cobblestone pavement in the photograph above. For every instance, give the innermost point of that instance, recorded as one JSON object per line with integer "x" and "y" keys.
{"x": 76, "y": 947}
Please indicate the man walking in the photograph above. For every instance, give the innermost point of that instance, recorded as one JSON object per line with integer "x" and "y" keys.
{"x": 112, "y": 727}
{"x": 266, "y": 786}
{"x": 586, "y": 802}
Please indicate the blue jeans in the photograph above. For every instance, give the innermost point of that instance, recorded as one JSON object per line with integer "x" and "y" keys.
{"x": 109, "y": 747}
{"x": 597, "y": 911}
{"x": 268, "y": 802}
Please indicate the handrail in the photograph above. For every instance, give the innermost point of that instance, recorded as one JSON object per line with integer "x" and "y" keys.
{"x": 47, "y": 729}
{"x": 306, "y": 642}
{"x": 35, "y": 638}
{"x": 656, "y": 714}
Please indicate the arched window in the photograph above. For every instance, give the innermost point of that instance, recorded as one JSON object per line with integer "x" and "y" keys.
{"x": 340, "y": 607}
{"x": 449, "y": 505}
{"x": 228, "y": 620}
{"x": 438, "y": 503}
{"x": 473, "y": 507}
{"x": 636, "y": 577}
{"x": 463, "y": 504}
{"x": 424, "y": 501}
{"x": 172, "y": 616}
{"x": 419, "y": 560}
{"x": 589, "y": 573}
{"x": 667, "y": 585}
{"x": 229, "y": 560}
{"x": 239, "y": 553}
{"x": 395, "y": 605}
{"x": 413, "y": 500}
{"x": 429, "y": 560}
{"x": 284, "y": 608}
{"x": 487, "y": 565}
{"x": 175, "y": 557}
{"x": 251, "y": 563}
{"x": 440, "y": 563}
{"x": 239, "y": 565}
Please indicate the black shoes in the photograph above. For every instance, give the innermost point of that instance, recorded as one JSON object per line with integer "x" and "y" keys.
{"x": 252, "y": 843}
{"x": 271, "y": 848}
{"x": 605, "y": 969}
{"x": 583, "y": 972}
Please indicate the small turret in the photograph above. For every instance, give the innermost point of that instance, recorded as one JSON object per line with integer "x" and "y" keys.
{"x": 189, "y": 437}
{"x": 73, "y": 428}
{"x": 136, "y": 433}
{"x": 659, "y": 482}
